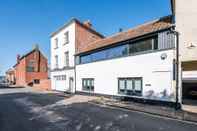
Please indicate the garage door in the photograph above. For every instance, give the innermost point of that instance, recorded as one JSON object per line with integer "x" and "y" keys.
{"x": 60, "y": 83}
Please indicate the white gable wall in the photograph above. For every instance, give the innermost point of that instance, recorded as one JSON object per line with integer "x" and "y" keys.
{"x": 63, "y": 48}
{"x": 63, "y": 85}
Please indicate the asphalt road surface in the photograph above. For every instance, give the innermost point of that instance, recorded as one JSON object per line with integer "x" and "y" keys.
{"x": 25, "y": 110}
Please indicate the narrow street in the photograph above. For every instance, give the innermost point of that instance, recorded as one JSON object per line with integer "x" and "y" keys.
{"x": 29, "y": 110}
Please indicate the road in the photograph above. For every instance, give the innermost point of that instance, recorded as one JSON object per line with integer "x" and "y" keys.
{"x": 26, "y": 110}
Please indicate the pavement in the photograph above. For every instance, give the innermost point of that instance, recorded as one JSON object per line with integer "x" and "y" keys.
{"x": 26, "y": 109}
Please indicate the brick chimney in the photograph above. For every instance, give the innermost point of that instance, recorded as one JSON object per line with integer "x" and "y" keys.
{"x": 18, "y": 58}
{"x": 87, "y": 24}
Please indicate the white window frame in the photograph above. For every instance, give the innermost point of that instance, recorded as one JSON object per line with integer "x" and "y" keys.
{"x": 66, "y": 37}
{"x": 66, "y": 59}
{"x": 56, "y": 62}
{"x": 130, "y": 92}
{"x": 56, "y": 43}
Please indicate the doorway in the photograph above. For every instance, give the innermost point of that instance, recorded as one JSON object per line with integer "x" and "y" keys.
{"x": 189, "y": 93}
{"x": 71, "y": 83}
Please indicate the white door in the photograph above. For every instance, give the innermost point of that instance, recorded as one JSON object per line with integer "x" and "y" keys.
{"x": 71, "y": 84}
{"x": 60, "y": 83}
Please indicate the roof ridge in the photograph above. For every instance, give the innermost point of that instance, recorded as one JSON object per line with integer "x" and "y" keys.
{"x": 73, "y": 19}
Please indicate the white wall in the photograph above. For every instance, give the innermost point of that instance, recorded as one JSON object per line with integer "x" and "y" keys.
{"x": 186, "y": 19}
{"x": 63, "y": 85}
{"x": 156, "y": 72}
{"x": 63, "y": 48}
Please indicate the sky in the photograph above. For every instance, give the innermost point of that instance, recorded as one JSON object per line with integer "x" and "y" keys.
{"x": 24, "y": 23}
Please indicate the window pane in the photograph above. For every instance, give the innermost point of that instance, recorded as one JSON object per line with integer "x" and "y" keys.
{"x": 92, "y": 82}
{"x": 66, "y": 58}
{"x": 85, "y": 59}
{"x": 138, "y": 85}
{"x": 56, "y": 61}
{"x": 30, "y": 69}
{"x": 117, "y": 51}
{"x": 77, "y": 60}
{"x": 92, "y": 85}
{"x": 129, "y": 85}
{"x": 66, "y": 37}
{"x": 121, "y": 84}
{"x": 56, "y": 43}
{"x": 155, "y": 43}
{"x": 84, "y": 83}
{"x": 98, "y": 55}
{"x": 141, "y": 46}
{"x": 88, "y": 82}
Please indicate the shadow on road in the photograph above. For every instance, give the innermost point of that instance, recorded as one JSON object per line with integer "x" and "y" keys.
{"x": 41, "y": 99}
{"x": 9, "y": 87}
{"x": 49, "y": 112}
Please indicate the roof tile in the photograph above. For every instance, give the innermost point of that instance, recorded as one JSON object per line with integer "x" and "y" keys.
{"x": 157, "y": 25}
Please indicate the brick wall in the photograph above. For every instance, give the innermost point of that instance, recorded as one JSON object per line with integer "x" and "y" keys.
{"x": 20, "y": 73}
{"x": 84, "y": 37}
{"x": 44, "y": 84}
{"x": 40, "y": 65}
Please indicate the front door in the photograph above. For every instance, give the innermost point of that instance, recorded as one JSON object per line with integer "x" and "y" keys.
{"x": 71, "y": 84}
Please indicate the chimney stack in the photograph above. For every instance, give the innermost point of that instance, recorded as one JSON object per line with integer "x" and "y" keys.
{"x": 36, "y": 47}
{"x": 18, "y": 58}
{"x": 120, "y": 29}
{"x": 87, "y": 24}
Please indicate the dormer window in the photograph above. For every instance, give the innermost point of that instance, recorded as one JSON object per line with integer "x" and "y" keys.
{"x": 66, "y": 37}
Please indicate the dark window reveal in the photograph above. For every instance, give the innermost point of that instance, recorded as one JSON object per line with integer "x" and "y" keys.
{"x": 88, "y": 84}
{"x": 145, "y": 45}
{"x": 36, "y": 81}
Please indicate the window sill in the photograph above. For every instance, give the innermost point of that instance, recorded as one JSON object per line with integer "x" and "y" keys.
{"x": 66, "y": 67}
{"x": 87, "y": 91}
{"x": 66, "y": 43}
{"x": 130, "y": 95}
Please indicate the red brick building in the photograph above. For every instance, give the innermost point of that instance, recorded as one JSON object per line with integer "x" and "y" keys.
{"x": 31, "y": 68}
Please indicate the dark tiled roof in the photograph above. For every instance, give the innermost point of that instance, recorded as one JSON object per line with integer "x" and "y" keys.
{"x": 147, "y": 28}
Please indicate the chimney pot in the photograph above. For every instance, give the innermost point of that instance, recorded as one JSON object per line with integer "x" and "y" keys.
{"x": 18, "y": 58}
{"x": 87, "y": 23}
{"x": 120, "y": 29}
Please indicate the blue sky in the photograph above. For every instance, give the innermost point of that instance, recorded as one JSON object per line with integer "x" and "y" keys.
{"x": 26, "y": 22}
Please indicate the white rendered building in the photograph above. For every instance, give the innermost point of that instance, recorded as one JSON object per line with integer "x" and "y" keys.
{"x": 185, "y": 19}
{"x": 63, "y": 49}
{"x": 138, "y": 63}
